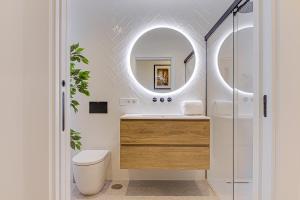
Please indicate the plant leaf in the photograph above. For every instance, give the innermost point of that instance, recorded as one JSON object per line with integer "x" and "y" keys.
{"x": 78, "y": 50}
{"x": 74, "y": 47}
{"x": 85, "y": 60}
{"x": 74, "y": 102}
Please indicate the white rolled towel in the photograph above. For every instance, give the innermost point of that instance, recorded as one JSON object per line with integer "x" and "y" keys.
{"x": 194, "y": 107}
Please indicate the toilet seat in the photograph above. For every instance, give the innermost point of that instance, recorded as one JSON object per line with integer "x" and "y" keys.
{"x": 89, "y": 157}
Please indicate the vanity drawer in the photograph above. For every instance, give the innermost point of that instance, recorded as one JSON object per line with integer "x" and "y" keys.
{"x": 173, "y": 132}
{"x": 164, "y": 157}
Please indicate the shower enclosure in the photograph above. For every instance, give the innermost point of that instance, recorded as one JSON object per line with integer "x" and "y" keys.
{"x": 230, "y": 92}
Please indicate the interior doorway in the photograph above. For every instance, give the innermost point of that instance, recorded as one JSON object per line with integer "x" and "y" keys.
{"x": 63, "y": 140}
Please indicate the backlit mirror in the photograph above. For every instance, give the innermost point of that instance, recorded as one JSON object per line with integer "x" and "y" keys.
{"x": 243, "y": 63}
{"x": 162, "y": 60}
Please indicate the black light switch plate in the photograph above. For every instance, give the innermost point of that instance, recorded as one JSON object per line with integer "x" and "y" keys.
{"x": 98, "y": 107}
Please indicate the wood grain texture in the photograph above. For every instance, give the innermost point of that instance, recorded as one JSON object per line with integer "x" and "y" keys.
{"x": 165, "y": 144}
{"x": 177, "y": 132}
{"x": 155, "y": 157}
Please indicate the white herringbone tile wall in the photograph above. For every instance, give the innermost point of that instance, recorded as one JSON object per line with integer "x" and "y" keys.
{"x": 106, "y": 28}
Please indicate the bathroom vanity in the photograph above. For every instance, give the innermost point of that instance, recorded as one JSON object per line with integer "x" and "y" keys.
{"x": 165, "y": 142}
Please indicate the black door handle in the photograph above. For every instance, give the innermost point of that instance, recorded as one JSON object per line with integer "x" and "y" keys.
{"x": 63, "y": 111}
{"x": 63, "y": 114}
{"x": 265, "y": 106}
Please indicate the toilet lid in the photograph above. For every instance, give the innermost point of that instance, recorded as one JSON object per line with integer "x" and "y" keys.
{"x": 89, "y": 157}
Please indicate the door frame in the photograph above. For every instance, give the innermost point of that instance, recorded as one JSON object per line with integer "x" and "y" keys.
{"x": 265, "y": 137}
{"x": 264, "y": 140}
{"x": 61, "y": 163}
{"x": 267, "y": 75}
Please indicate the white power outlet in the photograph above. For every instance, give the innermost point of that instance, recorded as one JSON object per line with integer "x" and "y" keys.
{"x": 128, "y": 101}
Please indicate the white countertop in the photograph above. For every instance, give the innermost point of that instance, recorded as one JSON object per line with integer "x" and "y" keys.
{"x": 240, "y": 116}
{"x": 166, "y": 117}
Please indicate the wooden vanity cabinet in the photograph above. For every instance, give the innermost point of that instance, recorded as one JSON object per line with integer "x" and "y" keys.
{"x": 165, "y": 144}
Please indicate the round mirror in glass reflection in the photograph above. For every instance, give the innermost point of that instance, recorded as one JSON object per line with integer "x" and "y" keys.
{"x": 162, "y": 60}
{"x": 243, "y": 65}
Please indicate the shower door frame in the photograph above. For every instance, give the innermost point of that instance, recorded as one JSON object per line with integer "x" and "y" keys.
{"x": 61, "y": 173}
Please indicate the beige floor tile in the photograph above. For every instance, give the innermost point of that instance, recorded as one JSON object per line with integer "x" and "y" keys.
{"x": 108, "y": 193}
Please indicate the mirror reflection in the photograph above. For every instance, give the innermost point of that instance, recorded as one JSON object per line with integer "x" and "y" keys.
{"x": 162, "y": 60}
{"x": 244, "y": 61}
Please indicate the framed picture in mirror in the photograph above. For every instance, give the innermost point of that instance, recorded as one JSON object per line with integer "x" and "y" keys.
{"x": 162, "y": 76}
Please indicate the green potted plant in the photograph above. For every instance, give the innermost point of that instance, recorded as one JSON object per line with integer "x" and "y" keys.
{"x": 78, "y": 84}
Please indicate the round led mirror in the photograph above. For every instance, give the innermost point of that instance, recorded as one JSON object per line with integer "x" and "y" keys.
{"x": 162, "y": 60}
{"x": 243, "y": 62}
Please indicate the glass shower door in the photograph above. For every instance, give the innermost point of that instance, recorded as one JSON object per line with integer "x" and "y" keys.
{"x": 230, "y": 92}
{"x": 220, "y": 101}
{"x": 243, "y": 101}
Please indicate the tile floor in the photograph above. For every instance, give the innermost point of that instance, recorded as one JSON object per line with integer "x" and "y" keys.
{"x": 152, "y": 190}
{"x": 242, "y": 191}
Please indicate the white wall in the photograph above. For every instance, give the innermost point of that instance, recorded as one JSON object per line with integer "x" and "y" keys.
{"x": 11, "y": 181}
{"x": 286, "y": 85}
{"x": 37, "y": 98}
{"x": 106, "y": 30}
{"x": 25, "y": 99}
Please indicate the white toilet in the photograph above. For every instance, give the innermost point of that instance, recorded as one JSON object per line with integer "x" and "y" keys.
{"x": 89, "y": 168}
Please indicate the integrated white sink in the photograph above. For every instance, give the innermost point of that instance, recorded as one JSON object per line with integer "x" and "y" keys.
{"x": 164, "y": 116}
